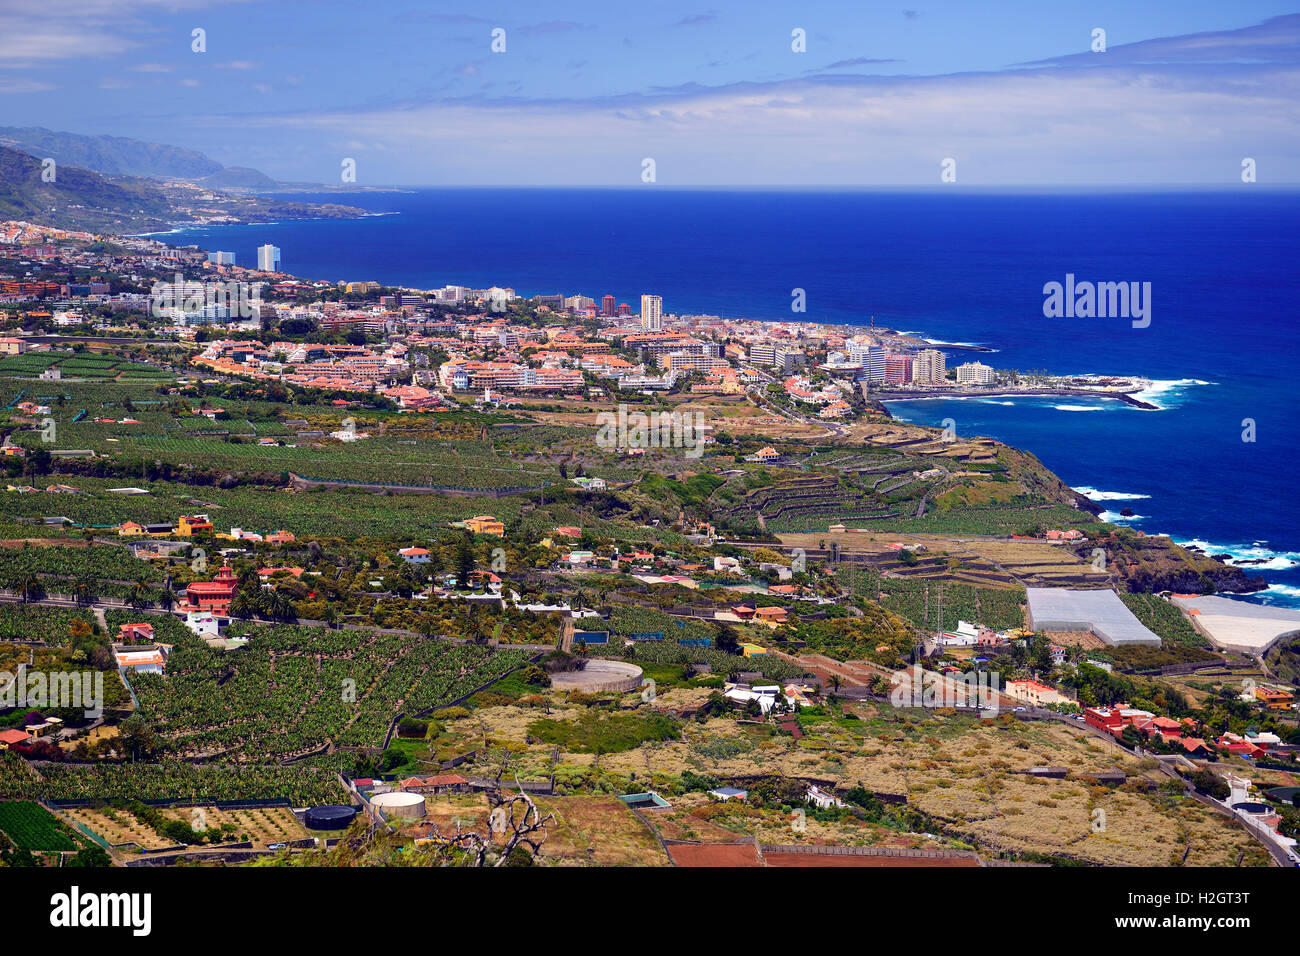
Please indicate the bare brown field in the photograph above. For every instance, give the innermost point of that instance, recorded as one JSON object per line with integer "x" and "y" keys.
{"x": 117, "y": 827}
{"x": 1085, "y": 639}
{"x": 962, "y": 771}
{"x": 262, "y": 826}
{"x": 598, "y": 830}
{"x": 714, "y": 854}
{"x": 820, "y": 859}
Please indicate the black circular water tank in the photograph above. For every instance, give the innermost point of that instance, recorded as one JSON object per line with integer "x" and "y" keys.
{"x": 1250, "y": 807}
{"x": 329, "y": 818}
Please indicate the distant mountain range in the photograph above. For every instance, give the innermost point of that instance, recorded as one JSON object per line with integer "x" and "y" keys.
{"x": 120, "y": 156}
{"x": 77, "y": 198}
{"x": 86, "y": 200}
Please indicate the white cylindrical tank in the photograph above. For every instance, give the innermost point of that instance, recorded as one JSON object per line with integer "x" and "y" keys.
{"x": 400, "y": 803}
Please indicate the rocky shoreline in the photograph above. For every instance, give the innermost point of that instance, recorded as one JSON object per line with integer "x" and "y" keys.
{"x": 910, "y": 394}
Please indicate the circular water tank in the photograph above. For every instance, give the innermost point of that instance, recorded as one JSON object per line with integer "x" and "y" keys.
{"x": 1251, "y": 807}
{"x": 329, "y": 818}
{"x": 400, "y": 803}
{"x": 599, "y": 676}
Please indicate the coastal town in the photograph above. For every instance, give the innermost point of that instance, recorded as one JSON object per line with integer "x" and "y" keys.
{"x": 683, "y": 575}
{"x": 491, "y": 337}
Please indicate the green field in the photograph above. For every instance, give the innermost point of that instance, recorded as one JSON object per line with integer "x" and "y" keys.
{"x": 31, "y": 827}
{"x": 303, "y": 786}
{"x": 294, "y": 689}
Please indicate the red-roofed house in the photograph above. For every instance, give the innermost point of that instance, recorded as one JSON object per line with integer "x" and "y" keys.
{"x": 1033, "y": 692}
{"x": 135, "y": 634}
{"x": 1238, "y": 745}
{"x": 442, "y": 783}
{"x": 214, "y": 595}
{"x": 1113, "y": 720}
{"x": 1167, "y": 728}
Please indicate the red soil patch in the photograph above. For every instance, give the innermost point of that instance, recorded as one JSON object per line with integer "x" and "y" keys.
{"x": 714, "y": 854}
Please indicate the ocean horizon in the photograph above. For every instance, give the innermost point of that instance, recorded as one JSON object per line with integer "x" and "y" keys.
{"x": 959, "y": 268}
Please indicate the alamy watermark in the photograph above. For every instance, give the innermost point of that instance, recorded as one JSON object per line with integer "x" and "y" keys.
{"x": 919, "y": 687}
{"x": 1101, "y": 300}
{"x": 654, "y": 430}
{"x": 75, "y": 909}
{"x": 55, "y": 690}
{"x": 223, "y": 300}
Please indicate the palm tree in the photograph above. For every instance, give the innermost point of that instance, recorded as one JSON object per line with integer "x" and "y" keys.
{"x": 84, "y": 590}
{"x": 139, "y": 598}
{"x": 32, "y": 590}
{"x": 240, "y": 605}
{"x": 281, "y": 606}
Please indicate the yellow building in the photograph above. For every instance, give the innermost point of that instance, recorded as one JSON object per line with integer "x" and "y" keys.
{"x": 752, "y": 650}
{"x": 192, "y": 525}
{"x": 486, "y": 524}
{"x": 129, "y": 529}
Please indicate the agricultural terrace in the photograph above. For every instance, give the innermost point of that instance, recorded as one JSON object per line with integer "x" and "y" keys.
{"x": 171, "y": 780}
{"x": 152, "y": 828}
{"x": 66, "y": 565}
{"x": 441, "y": 465}
{"x": 31, "y": 827}
{"x": 343, "y": 514}
{"x": 79, "y": 365}
{"x": 928, "y": 486}
{"x": 918, "y": 602}
{"x": 1165, "y": 619}
{"x": 296, "y": 690}
{"x": 61, "y": 658}
{"x": 33, "y": 622}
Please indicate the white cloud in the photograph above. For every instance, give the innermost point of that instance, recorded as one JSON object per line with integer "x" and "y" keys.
{"x": 1022, "y": 126}
{"x": 25, "y": 86}
{"x": 30, "y": 35}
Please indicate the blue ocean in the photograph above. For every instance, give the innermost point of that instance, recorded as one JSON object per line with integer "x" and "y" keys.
{"x": 957, "y": 267}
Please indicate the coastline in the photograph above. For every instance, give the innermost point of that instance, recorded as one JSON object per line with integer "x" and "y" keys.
{"x": 1128, "y": 398}
{"x": 911, "y": 395}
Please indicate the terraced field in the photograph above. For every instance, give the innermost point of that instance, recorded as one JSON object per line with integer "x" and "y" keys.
{"x": 171, "y": 780}
{"x": 31, "y": 827}
{"x": 80, "y": 365}
{"x": 262, "y": 826}
{"x": 920, "y": 602}
{"x": 296, "y": 690}
{"x": 345, "y": 514}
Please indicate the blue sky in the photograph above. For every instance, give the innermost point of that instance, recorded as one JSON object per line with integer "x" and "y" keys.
{"x": 713, "y": 92}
